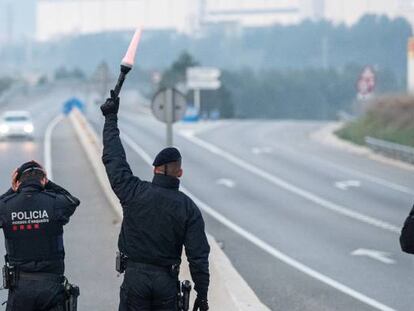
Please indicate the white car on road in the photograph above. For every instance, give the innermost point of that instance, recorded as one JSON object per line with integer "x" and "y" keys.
{"x": 16, "y": 124}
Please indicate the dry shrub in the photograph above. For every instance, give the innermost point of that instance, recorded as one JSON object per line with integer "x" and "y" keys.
{"x": 393, "y": 111}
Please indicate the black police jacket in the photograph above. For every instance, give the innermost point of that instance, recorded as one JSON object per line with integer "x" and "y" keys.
{"x": 407, "y": 234}
{"x": 158, "y": 218}
{"x": 32, "y": 220}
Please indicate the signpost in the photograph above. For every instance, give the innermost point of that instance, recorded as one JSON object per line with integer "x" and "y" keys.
{"x": 366, "y": 83}
{"x": 169, "y": 106}
{"x": 202, "y": 78}
{"x": 365, "y": 87}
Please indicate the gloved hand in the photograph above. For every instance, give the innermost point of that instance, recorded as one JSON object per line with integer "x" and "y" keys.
{"x": 200, "y": 304}
{"x": 111, "y": 105}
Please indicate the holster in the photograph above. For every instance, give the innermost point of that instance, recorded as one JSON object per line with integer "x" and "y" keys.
{"x": 10, "y": 276}
{"x": 72, "y": 293}
{"x": 183, "y": 295}
{"x": 120, "y": 262}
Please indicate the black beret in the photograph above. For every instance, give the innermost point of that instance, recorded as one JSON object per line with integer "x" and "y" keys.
{"x": 25, "y": 167}
{"x": 167, "y": 155}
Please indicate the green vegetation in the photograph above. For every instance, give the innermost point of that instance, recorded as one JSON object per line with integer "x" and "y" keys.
{"x": 376, "y": 40}
{"x": 387, "y": 118}
{"x": 5, "y": 83}
{"x": 312, "y": 93}
{"x": 303, "y": 71}
{"x": 62, "y": 73}
{"x": 177, "y": 72}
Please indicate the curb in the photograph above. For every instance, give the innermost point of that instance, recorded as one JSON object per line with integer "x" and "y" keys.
{"x": 228, "y": 290}
{"x": 326, "y": 135}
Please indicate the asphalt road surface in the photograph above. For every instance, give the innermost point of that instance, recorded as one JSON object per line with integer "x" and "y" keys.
{"x": 309, "y": 227}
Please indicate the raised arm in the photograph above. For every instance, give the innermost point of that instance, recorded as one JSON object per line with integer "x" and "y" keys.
{"x": 66, "y": 203}
{"x": 122, "y": 181}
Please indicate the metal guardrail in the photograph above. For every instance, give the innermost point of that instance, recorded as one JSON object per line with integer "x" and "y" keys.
{"x": 394, "y": 150}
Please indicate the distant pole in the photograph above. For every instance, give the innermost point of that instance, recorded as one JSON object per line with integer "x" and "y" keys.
{"x": 201, "y": 12}
{"x": 169, "y": 110}
{"x": 9, "y": 22}
{"x": 197, "y": 101}
{"x": 325, "y": 51}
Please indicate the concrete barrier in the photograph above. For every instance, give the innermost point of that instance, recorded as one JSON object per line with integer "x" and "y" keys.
{"x": 228, "y": 290}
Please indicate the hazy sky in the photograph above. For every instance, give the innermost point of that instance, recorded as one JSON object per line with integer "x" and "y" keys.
{"x": 21, "y": 22}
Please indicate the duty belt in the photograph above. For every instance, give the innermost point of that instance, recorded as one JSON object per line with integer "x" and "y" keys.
{"x": 140, "y": 265}
{"x": 40, "y": 276}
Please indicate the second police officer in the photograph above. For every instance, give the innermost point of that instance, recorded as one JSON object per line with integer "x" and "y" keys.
{"x": 407, "y": 234}
{"x": 32, "y": 215}
{"x": 158, "y": 221}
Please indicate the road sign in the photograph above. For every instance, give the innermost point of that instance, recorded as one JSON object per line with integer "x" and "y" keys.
{"x": 203, "y": 73}
{"x": 165, "y": 97}
{"x": 366, "y": 81}
{"x": 203, "y": 78}
{"x": 203, "y": 85}
{"x": 169, "y": 106}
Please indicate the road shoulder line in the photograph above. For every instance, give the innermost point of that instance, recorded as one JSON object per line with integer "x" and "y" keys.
{"x": 47, "y": 145}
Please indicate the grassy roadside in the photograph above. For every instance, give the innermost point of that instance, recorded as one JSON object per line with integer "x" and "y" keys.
{"x": 389, "y": 118}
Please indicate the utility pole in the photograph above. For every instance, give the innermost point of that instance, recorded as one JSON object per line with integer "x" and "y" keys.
{"x": 325, "y": 52}
{"x": 9, "y": 23}
{"x": 197, "y": 101}
{"x": 202, "y": 10}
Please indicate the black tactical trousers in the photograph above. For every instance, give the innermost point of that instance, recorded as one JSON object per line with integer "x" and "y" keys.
{"x": 30, "y": 295}
{"x": 148, "y": 289}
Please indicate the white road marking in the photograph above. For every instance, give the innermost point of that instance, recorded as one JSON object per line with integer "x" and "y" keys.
{"x": 374, "y": 179}
{"x": 358, "y": 174}
{"x": 381, "y": 256}
{"x": 294, "y": 189}
{"x": 47, "y": 154}
{"x": 199, "y": 127}
{"x": 346, "y": 184}
{"x": 265, "y": 246}
{"x": 262, "y": 150}
{"x": 377, "y": 180}
{"x": 188, "y": 132}
{"x": 226, "y": 182}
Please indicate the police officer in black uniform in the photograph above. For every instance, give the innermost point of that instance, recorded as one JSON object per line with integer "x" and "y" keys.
{"x": 407, "y": 234}
{"x": 158, "y": 221}
{"x": 32, "y": 215}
